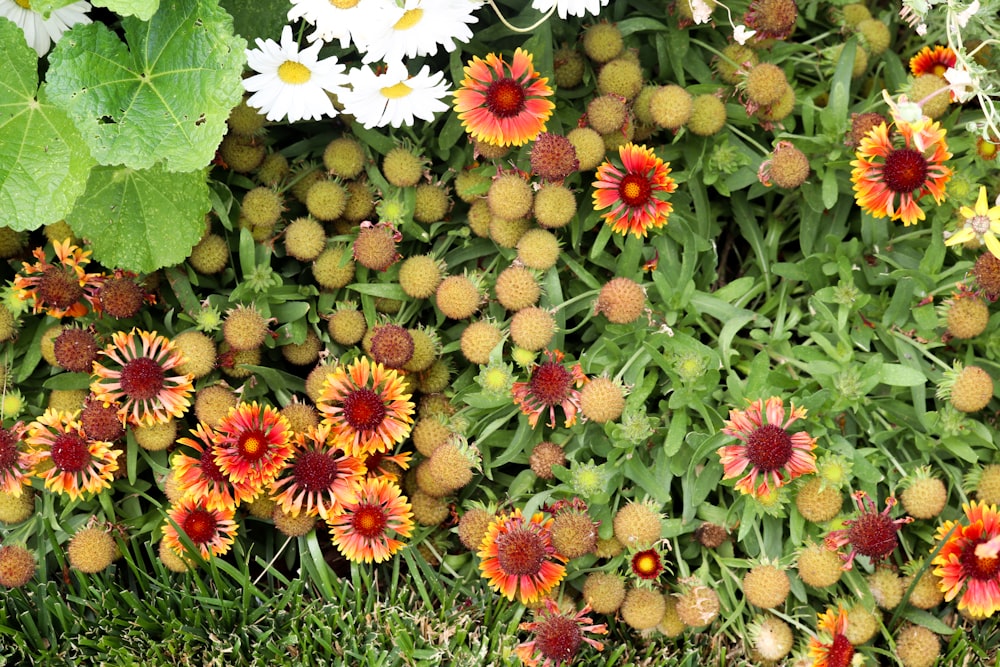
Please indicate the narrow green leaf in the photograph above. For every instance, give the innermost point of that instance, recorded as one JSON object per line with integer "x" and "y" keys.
{"x": 897, "y": 375}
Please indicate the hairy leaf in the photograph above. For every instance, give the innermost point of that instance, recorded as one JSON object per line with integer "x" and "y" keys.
{"x": 163, "y": 94}
{"x": 43, "y": 160}
{"x": 143, "y": 9}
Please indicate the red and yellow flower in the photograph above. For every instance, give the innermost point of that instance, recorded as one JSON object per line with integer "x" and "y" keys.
{"x": 503, "y": 103}
{"x": 252, "y": 446}
{"x": 933, "y": 61}
{"x": 635, "y": 191}
{"x": 140, "y": 375}
{"x": 365, "y": 407}
{"x": 896, "y": 167}
{"x": 773, "y": 455}
{"x": 199, "y": 477}
{"x": 320, "y": 478}
{"x": 969, "y": 560}
{"x": 558, "y": 636}
{"x": 65, "y": 459}
{"x": 63, "y": 289}
{"x": 15, "y": 460}
{"x": 213, "y": 531}
{"x": 551, "y": 384}
{"x": 831, "y": 647}
{"x": 367, "y": 529}
{"x": 518, "y": 558}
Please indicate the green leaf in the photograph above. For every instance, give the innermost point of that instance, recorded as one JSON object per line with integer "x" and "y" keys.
{"x": 164, "y": 94}
{"x": 43, "y": 160}
{"x": 142, "y": 9}
{"x": 46, "y": 7}
{"x": 141, "y": 219}
{"x": 261, "y": 18}
{"x": 896, "y": 375}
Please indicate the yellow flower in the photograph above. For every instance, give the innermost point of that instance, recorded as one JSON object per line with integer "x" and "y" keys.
{"x": 981, "y": 226}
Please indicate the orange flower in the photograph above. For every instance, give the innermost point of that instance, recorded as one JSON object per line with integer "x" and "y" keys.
{"x": 66, "y": 459}
{"x": 558, "y": 636}
{"x": 364, "y": 531}
{"x": 320, "y": 478}
{"x": 501, "y": 103}
{"x": 199, "y": 477}
{"x": 970, "y": 559}
{"x": 15, "y": 460}
{"x": 933, "y": 61}
{"x": 551, "y": 384}
{"x": 212, "y": 531}
{"x": 893, "y": 171}
{"x": 252, "y": 446}
{"x": 831, "y": 648}
{"x": 139, "y": 378}
{"x": 517, "y": 556}
{"x": 635, "y": 193}
{"x": 773, "y": 454}
{"x": 366, "y": 408}
{"x": 375, "y": 465}
{"x": 62, "y": 289}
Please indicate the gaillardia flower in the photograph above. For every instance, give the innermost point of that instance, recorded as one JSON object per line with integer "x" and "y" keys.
{"x": 933, "y": 61}
{"x": 831, "y": 648}
{"x": 551, "y": 384}
{"x": 64, "y": 289}
{"x": 138, "y": 377}
{"x": 199, "y": 476}
{"x": 15, "y": 460}
{"x": 66, "y": 459}
{"x": 320, "y": 478}
{"x": 558, "y": 636}
{"x": 980, "y": 225}
{"x": 970, "y": 560}
{"x": 895, "y": 169}
{"x": 518, "y": 559}
{"x": 252, "y": 446}
{"x": 365, "y": 530}
{"x": 771, "y": 452}
{"x": 503, "y": 103}
{"x": 634, "y": 192}
{"x": 871, "y": 534}
{"x": 212, "y": 531}
{"x": 366, "y": 408}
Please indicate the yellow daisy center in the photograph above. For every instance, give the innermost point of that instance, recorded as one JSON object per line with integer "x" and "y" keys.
{"x": 26, "y": 4}
{"x": 293, "y": 72}
{"x": 344, "y": 4}
{"x": 409, "y": 19}
{"x": 397, "y": 91}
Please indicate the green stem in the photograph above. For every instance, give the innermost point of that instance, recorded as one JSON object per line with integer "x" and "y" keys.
{"x": 510, "y": 26}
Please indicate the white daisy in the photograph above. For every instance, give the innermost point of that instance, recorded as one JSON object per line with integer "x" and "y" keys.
{"x": 42, "y": 32}
{"x": 345, "y": 20}
{"x": 293, "y": 83}
{"x": 571, "y": 7}
{"x": 424, "y": 25}
{"x": 395, "y": 97}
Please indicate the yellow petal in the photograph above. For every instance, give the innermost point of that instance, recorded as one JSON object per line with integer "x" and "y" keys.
{"x": 992, "y": 244}
{"x": 961, "y": 236}
{"x": 982, "y": 206}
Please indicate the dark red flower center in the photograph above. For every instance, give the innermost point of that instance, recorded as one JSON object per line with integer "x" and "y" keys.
{"x": 101, "y": 422}
{"x": 982, "y": 569}
{"x": 364, "y": 410}
{"x": 210, "y": 469}
{"x": 369, "y": 521}
{"x": 551, "y": 383}
{"x": 646, "y": 564}
{"x": 252, "y": 444}
{"x": 769, "y": 447}
{"x": 841, "y": 652}
{"x": 873, "y": 534}
{"x": 558, "y": 638}
{"x": 315, "y": 471}
{"x": 70, "y": 452}
{"x": 200, "y": 525}
{"x": 59, "y": 288}
{"x": 505, "y": 97}
{"x": 142, "y": 379}
{"x": 520, "y": 552}
{"x": 905, "y": 170}
{"x": 635, "y": 190}
{"x": 8, "y": 450}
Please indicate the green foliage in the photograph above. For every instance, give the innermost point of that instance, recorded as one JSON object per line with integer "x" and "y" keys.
{"x": 141, "y": 9}
{"x": 162, "y": 95}
{"x": 252, "y": 20}
{"x": 141, "y": 219}
{"x": 43, "y": 160}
